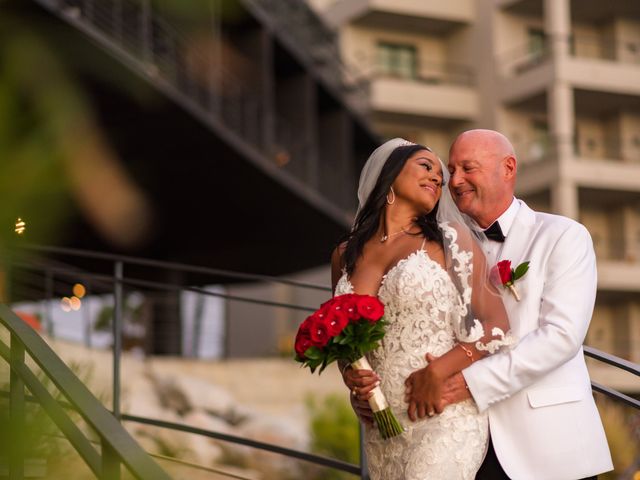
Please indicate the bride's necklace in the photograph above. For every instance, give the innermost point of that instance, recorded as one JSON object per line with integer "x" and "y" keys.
{"x": 387, "y": 236}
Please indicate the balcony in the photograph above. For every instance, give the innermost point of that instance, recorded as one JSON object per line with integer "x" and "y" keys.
{"x": 421, "y": 16}
{"x": 532, "y": 66}
{"x": 443, "y": 93}
{"x": 521, "y": 7}
{"x": 593, "y": 65}
{"x": 604, "y": 174}
{"x": 601, "y": 64}
{"x": 618, "y": 275}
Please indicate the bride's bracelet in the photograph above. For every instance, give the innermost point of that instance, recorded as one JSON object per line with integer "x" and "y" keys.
{"x": 467, "y": 352}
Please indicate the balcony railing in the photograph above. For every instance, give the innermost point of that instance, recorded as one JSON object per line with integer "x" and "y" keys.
{"x": 295, "y": 20}
{"x": 198, "y": 79}
{"x": 215, "y": 90}
{"x": 526, "y": 56}
{"x": 546, "y": 147}
{"x": 625, "y": 150}
{"x": 597, "y": 47}
{"x": 429, "y": 73}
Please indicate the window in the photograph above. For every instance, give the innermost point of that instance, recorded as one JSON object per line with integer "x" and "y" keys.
{"x": 539, "y": 147}
{"x": 537, "y": 42}
{"x": 397, "y": 60}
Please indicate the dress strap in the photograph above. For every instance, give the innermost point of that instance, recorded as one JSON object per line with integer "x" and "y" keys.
{"x": 424, "y": 241}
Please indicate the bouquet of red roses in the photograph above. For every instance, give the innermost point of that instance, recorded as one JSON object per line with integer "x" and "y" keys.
{"x": 345, "y": 328}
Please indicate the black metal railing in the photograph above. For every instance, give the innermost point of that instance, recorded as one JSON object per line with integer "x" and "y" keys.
{"x": 616, "y": 362}
{"x": 215, "y": 86}
{"x": 117, "y": 446}
{"x": 296, "y": 21}
{"x": 195, "y": 77}
{"x": 119, "y": 279}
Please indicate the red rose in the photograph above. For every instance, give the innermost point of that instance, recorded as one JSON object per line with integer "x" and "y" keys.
{"x": 306, "y": 325}
{"x": 504, "y": 268}
{"x": 336, "y": 320}
{"x": 350, "y": 307}
{"x": 370, "y": 308}
{"x": 334, "y": 305}
{"x": 303, "y": 342}
{"x": 318, "y": 331}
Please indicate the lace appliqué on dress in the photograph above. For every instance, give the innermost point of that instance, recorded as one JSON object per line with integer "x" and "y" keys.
{"x": 420, "y": 303}
{"x": 468, "y": 329}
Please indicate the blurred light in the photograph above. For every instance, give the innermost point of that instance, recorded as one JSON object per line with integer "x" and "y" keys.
{"x": 65, "y": 304}
{"x": 282, "y": 158}
{"x": 79, "y": 290}
{"x": 76, "y": 303}
{"x": 20, "y": 226}
{"x": 636, "y": 475}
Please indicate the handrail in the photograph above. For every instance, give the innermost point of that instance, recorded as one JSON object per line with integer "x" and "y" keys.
{"x": 305, "y": 456}
{"x": 146, "y": 262}
{"x": 612, "y": 360}
{"x": 169, "y": 287}
{"x": 617, "y": 362}
{"x": 289, "y": 452}
{"x": 327, "y": 462}
{"x": 117, "y": 445}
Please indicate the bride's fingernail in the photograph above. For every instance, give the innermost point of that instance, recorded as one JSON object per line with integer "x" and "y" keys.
{"x": 377, "y": 383}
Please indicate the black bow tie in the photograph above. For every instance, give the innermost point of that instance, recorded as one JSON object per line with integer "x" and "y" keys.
{"x": 494, "y": 232}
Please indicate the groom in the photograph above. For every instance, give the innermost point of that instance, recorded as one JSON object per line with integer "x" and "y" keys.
{"x": 543, "y": 421}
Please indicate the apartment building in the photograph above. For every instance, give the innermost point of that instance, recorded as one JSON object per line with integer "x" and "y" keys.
{"x": 561, "y": 78}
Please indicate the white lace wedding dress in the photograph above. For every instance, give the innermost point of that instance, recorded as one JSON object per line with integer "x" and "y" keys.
{"x": 419, "y": 297}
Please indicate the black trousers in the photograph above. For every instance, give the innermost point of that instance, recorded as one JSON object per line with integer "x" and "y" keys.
{"x": 492, "y": 470}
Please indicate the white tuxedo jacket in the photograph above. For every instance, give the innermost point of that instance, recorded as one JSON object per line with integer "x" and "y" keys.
{"x": 543, "y": 421}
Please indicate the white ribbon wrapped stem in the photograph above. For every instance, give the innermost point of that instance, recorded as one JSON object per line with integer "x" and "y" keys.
{"x": 377, "y": 402}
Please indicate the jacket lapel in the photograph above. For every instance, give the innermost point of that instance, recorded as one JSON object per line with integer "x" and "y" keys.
{"x": 519, "y": 233}
{"x": 515, "y": 248}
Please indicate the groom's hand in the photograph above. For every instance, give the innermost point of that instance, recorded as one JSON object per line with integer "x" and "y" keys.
{"x": 455, "y": 388}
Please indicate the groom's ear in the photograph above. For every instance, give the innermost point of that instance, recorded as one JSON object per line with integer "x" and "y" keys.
{"x": 510, "y": 165}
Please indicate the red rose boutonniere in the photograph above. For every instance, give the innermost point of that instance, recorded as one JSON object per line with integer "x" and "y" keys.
{"x": 508, "y": 275}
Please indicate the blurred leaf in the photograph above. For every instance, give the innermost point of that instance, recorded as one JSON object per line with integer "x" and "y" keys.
{"x": 335, "y": 432}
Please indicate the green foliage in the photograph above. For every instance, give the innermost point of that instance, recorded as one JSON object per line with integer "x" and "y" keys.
{"x": 33, "y": 182}
{"x": 352, "y": 343}
{"x": 520, "y": 271}
{"x": 335, "y": 432}
{"x": 42, "y": 440}
{"x": 132, "y": 314}
{"x": 623, "y": 435}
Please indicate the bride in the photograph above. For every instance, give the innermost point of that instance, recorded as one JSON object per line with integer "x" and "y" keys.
{"x": 411, "y": 248}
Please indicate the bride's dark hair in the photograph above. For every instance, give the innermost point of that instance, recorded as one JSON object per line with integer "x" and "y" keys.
{"x": 368, "y": 219}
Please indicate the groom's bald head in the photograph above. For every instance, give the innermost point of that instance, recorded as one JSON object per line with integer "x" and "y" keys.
{"x": 482, "y": 165}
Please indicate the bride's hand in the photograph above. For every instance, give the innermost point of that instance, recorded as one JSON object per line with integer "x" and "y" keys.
{"x": 360, "y": 384}
{"x": 423, "y": 392}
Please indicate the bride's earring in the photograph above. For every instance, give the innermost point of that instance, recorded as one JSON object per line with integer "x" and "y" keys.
{"x": 393, "y": 198}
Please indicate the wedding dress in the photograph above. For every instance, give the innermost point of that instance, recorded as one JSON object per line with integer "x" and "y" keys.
{"x": 419, "y": 299}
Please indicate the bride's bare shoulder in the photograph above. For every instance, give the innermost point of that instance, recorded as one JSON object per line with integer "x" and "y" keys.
{"x": 337, "y": 263}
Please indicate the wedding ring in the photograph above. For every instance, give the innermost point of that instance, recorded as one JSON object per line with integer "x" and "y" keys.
{"x": 354, "y": 392}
